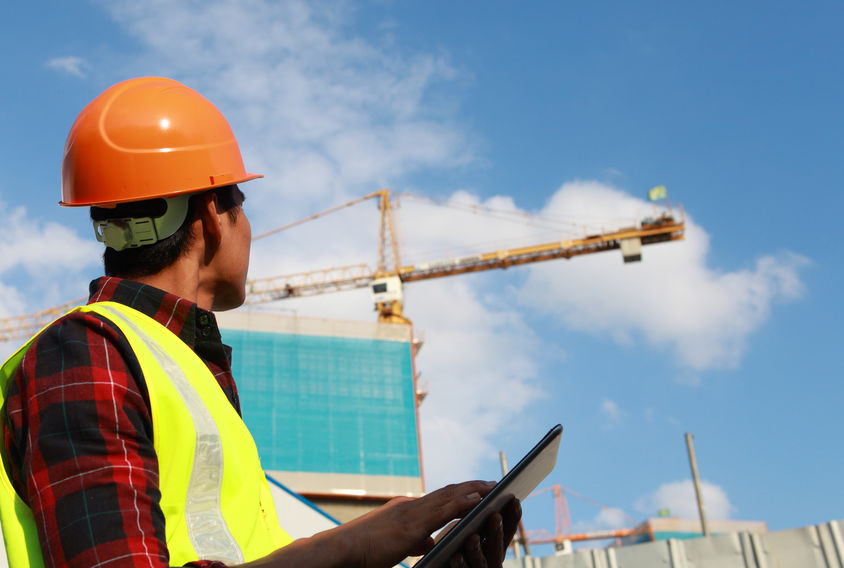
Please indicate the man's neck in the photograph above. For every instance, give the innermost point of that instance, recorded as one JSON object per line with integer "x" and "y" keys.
{"x": 180, "y": 279}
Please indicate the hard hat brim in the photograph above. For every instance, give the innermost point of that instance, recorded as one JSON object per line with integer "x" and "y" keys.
{"x": 222, "y": 183}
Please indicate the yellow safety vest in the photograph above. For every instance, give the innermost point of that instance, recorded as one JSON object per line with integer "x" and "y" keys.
{"x": 216, "y": 501}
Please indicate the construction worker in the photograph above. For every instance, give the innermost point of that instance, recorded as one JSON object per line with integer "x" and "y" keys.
{"x": 122, "y": 438}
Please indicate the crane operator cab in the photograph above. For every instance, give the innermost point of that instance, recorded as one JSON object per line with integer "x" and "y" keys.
{"x": 386, "y": 290}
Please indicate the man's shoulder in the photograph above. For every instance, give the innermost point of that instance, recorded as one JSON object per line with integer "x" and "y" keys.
{"x": 74, "y": 350}
{"x": 76, "y": 325}
{"x": 72, "y": 340}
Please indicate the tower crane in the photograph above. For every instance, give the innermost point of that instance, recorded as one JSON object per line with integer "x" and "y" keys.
{"x": 563, "y": 536}
{"x": 387, "y": 279}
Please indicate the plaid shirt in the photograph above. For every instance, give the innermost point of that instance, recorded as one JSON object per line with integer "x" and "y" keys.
{"x": 79, "y": 432}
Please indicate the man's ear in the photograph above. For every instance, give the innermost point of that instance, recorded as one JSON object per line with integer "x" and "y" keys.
{"x": 210, "y": 223}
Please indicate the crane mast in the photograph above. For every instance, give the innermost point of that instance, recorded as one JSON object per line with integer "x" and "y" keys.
{"x": 387, "y": 303}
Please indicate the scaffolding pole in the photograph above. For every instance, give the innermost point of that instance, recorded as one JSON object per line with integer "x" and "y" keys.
{"x": 522, "y": 538}
{"x": 696, "y": 479}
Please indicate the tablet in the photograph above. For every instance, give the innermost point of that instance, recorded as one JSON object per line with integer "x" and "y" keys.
{"x": 518, "y": 483}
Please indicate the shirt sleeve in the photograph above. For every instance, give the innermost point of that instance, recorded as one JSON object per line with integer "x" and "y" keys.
{"x": 81, "y": 436}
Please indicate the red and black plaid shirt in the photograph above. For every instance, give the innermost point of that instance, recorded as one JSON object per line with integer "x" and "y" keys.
{"x": 79, "y": 434}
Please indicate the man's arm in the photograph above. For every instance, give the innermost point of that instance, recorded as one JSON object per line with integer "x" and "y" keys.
{"x": 385, "y": 536}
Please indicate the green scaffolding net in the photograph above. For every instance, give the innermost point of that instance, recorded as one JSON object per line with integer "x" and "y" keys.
{"x": 327, "y": 404}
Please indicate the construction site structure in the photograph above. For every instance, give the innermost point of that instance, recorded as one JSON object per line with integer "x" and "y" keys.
{"x": 733, "y": 544}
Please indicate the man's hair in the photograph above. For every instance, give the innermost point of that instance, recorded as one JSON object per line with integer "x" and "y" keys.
{"x": 151, "y": 259}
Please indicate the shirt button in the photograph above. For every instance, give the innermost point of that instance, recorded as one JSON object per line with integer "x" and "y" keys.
{"x": 203, "y": 319}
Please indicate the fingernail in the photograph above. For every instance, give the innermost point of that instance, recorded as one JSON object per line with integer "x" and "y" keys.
{"x": 491, "y": 483}
{"x": 473, "y": 496}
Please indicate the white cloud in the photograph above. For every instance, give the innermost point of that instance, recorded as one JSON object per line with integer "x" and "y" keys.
{"x": 71, "y": 65}
{"x": 41, "y": 265}
{"x": 673, "y": 299}
{"x": 12, "y": 301}
{"x": 607, "y": 518}
{"x": 42, "y": 249}
{"x": 612, "y": 518}
{"x": 611, "y": 412}
{"x": 325, "y": 115}
{"x": 679, "y": 498}
{"x": 478, "y": 364}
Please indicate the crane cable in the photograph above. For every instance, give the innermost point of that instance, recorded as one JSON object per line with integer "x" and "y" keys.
{"x": 318, "y": 215}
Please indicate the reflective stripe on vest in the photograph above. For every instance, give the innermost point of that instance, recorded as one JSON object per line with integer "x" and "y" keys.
{"x": 215, "y": 498}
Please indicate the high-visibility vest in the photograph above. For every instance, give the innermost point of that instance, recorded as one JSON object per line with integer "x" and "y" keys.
{"x": 216, "y": 501}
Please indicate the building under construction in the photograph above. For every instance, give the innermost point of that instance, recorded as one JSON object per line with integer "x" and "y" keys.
{"x": 331, "y": 405}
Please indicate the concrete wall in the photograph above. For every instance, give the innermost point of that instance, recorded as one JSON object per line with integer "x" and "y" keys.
{"x": 818, "y": 546}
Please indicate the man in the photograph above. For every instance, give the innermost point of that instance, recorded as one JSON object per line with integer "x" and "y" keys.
{"x": 122, "y": 439}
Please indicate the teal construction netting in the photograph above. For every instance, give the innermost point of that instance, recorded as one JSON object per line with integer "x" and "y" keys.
{"x": 327, "y": 404}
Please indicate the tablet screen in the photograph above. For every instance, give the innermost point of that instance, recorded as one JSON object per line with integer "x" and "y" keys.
{"x": 518, "y": 483}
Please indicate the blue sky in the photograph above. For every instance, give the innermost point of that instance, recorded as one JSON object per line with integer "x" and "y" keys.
{"x": 557, "y": 108}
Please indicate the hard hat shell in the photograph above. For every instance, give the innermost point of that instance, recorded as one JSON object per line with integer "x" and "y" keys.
{"x": 146, "y": 138}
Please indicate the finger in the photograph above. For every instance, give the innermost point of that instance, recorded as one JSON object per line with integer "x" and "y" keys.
{"x": 511, "y": 515}
{"x": 422, "y": 548}
{"x": 457, "y": 561}
{"x": 493, "y": 543}
{"x": 473, "y": 552}
{"x": 451, "y": 502}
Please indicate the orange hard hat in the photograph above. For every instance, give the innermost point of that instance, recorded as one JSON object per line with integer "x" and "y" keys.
{"x": 146, "y": 138}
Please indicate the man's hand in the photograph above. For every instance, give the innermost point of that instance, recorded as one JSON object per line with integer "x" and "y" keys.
{"x": 488, "y": 549}
{"x": 402, "y": 527}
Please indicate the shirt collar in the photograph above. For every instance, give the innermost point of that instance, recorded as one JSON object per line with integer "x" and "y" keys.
{"x": 182, "y": 317}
